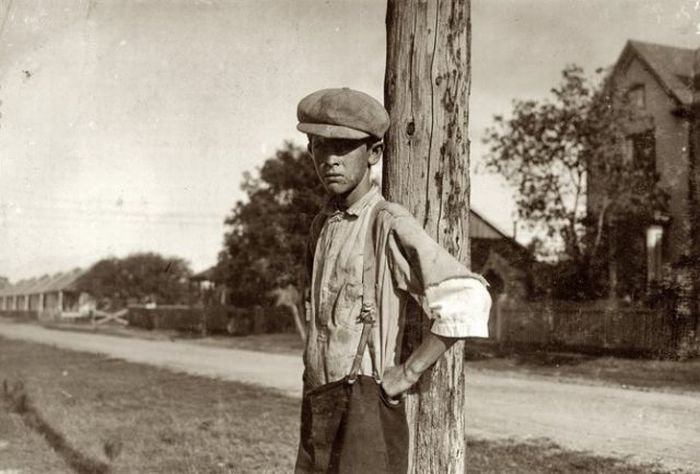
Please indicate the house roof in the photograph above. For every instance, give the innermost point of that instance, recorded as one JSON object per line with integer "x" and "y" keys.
{"x": 45, "y": 284}
{"x": 477, "y": 224}
{"x": 673, "y": 67}
{"x": 207, "y": 275}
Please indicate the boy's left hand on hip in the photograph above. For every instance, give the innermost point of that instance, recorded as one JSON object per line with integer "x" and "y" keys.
{"x": 398, "y": 379}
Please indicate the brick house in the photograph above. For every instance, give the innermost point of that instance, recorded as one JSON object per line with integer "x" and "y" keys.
{"x": 659, "y": 83}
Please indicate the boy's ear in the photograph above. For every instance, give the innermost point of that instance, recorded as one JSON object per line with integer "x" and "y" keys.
{"x": 375, "y": 153}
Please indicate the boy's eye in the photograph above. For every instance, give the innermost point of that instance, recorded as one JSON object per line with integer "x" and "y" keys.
{"x": 346, "y": 146}
{"x": 336, "y": 146}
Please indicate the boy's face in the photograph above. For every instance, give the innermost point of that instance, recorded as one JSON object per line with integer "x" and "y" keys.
{"x": 343, "y": 164}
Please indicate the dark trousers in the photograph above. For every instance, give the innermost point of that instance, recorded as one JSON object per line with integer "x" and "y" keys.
{"x": 352, "y": 428}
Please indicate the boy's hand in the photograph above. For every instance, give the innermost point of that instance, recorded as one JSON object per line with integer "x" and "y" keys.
{"x": 398, "y": 379}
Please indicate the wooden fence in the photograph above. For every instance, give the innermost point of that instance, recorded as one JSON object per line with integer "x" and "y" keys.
{"x": 587, "y": 325}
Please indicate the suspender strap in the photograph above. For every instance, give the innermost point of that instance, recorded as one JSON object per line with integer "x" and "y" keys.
{"x": 357, "y": 361}
{"x": 368, "y": 314}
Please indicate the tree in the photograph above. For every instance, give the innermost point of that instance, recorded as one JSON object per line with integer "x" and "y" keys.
{"x": 574, "y": 167}
{"x": 138, "y": 278}
{"x": 426, "y": 168}
{"x": 265, "y": 245}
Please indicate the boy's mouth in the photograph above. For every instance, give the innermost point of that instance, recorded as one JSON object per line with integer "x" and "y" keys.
{"x": 332, "y": 177}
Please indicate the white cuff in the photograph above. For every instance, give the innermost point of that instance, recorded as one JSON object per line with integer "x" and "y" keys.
{"x": 460, "y": 307}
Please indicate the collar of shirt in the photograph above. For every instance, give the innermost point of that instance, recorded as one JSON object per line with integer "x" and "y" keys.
{"x": 331, "y": 208}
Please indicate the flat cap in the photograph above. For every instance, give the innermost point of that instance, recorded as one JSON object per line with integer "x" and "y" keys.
{"x": 342, "y": 113}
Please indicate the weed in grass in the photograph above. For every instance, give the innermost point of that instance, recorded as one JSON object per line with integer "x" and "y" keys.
{"x": 112, "y": 448}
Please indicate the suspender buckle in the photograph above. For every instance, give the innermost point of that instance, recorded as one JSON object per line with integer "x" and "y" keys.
{"x": 367, "y": 314}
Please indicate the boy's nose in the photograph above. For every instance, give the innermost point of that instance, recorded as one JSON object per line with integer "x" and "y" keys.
{"x": 331, "y": 160}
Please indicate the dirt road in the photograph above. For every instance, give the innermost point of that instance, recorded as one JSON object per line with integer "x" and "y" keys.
{"x": 642, "y": 426}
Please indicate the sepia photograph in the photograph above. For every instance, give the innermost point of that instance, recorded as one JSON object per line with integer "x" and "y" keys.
{"x": 350, "y": 236}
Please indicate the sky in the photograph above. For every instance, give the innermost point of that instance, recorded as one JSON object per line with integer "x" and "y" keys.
{"x": 126, "y": 125}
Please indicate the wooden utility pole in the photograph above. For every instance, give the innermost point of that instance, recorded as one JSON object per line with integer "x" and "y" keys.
{"x": 426, "y": 168}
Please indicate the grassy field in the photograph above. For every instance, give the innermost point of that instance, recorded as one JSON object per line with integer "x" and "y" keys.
{"x": 134, "y": 418}
{"x": 102, "y": 415}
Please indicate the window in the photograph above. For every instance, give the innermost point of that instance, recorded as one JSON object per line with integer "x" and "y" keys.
{"x": 640, "y": 150}
{"x": 628, "y": 150}
{"x": 655, "y": 234}
{"x": 636, "y": 96}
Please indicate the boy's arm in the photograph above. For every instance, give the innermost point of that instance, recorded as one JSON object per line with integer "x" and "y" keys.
{"x": 456, "y": 299}
{"x": 398, "y": 379}
{"x": 461, "y": 309}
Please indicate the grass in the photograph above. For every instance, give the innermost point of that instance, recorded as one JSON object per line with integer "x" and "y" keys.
{"x": 135, "y": 418}
{"x": 118, "y": 417}
{"x": 23, "y": 450}
{"x": 542, "y": 457}
{"x": 638, "y": 373}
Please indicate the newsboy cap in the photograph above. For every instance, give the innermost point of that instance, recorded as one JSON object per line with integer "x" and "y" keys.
{"x": 342, "y": 113}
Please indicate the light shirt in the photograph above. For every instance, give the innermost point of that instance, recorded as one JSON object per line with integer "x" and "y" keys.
{"x": 408, "y": 262}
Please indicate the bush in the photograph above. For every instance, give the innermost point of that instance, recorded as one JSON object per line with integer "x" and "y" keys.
{"x": 139, "y": 318}
{"x": 213, "y": 320}
{"x": 181, "y": 319}
{"x": 277, "y": 319}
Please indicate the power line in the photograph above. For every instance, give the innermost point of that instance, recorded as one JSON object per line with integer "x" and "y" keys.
{"x": 59, "y": 211}
{"x": 35, "y": 198}
{"x": 84, "y": 224}
{"x": 51, "y": 222}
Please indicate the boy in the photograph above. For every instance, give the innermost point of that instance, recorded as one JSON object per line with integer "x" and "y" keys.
{"x": 365, "y": 256}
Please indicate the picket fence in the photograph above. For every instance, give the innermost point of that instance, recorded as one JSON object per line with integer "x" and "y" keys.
{"x": 594, "y": 326}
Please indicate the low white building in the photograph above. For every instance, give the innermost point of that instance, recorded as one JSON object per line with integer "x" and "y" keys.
{"x": 56, "y": 295}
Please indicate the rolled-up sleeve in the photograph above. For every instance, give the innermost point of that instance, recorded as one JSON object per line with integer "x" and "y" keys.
{"x": 456, "y": 299}
{"x": 460, "y": 308}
